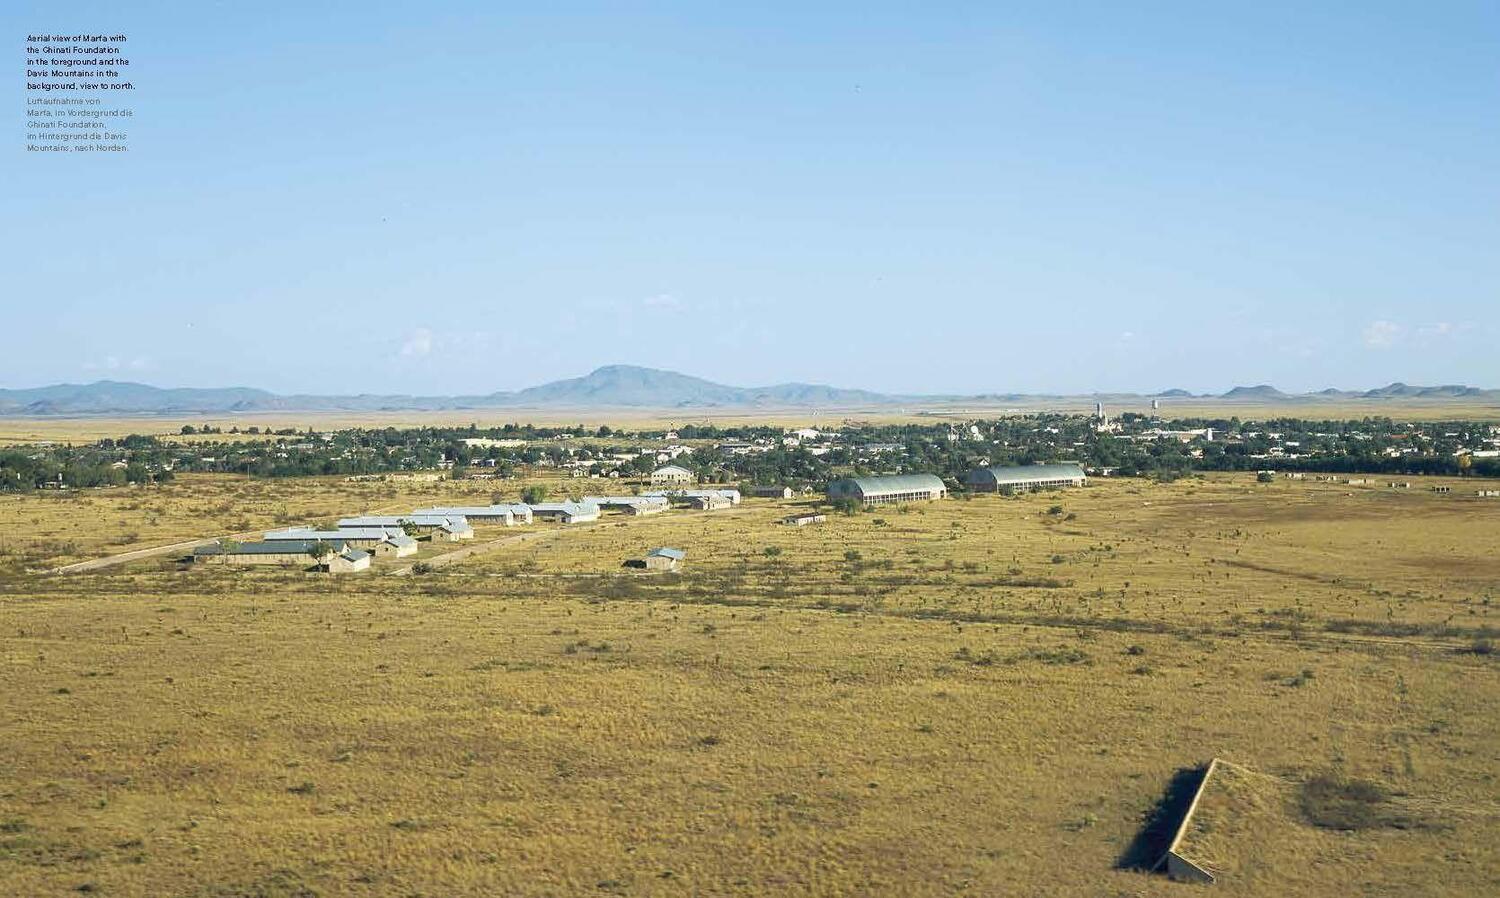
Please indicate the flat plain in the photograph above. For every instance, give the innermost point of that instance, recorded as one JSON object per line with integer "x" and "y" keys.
{"x": 968, "y": 697}
{"x": 23, "y": 430}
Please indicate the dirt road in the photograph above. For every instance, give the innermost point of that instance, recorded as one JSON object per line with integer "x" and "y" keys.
{"x": 156, "y": 551}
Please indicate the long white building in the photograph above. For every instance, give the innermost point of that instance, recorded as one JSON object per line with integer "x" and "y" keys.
{"x": 423, "y": 522}
{"x": 633, "y": 505}
{"x": 509, "y": 515}
{"x": 565, "y": 512}
{"x": 365, "y": 536}
{"x": 1022, "y": 478}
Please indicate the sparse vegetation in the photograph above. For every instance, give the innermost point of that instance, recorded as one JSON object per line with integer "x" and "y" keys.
{"x": 533, "y": 690}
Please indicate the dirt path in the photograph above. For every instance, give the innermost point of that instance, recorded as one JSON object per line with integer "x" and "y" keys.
{"x": 137, "y": 554}
{"x": 109, "y": 561}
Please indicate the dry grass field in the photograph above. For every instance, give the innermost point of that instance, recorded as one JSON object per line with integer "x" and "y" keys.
{"x": 983, "y": 697}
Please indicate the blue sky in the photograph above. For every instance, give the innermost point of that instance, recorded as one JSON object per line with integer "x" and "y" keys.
{"x": 447, "y": 197}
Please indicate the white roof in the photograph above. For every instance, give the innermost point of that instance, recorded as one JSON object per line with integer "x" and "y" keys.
{"x": 395, "y": 520}
{"x": 300, "y": 533}
{"x": 478, "y": 511}
{"x": 568, "y": 507}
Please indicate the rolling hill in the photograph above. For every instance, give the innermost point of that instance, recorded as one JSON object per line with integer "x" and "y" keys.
{"x": 612, "y": 386}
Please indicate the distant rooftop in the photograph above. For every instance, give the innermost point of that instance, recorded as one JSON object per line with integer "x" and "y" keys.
{"x": 278, "y": 547}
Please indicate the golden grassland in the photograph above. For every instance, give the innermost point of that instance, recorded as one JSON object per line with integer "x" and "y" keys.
{"x": 89, "y": 429}
{"x": 958, "y": 698}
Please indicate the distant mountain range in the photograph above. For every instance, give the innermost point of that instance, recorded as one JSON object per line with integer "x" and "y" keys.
{"x": 613, "y": 386}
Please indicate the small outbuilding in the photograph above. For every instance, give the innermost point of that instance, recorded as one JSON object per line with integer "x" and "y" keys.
{"x": 347, "y": 561}
{"x": 664, "y": 559}
{"x": 771, "y": 492}
{"x": 802, "y": 520}
{"x": 453, "y": 531}
{"x": 398, "y": 544}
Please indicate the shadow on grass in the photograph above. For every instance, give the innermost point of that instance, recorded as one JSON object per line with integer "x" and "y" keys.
{"x": 1160, "y": 823}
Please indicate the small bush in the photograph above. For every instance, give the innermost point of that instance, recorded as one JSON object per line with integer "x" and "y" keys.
{"x": 1303, "y": 678}
{"x": 1064, "y": 655}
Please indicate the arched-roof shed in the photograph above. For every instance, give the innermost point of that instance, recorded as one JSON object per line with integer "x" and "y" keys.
{"x": 887, "y": 489}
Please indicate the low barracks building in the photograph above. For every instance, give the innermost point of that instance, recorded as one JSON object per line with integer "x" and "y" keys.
{"x": 286, "y": 553}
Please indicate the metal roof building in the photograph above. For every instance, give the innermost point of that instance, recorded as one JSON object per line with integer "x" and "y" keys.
{"x": 281, "y": 547}
{"x": 664, "y": 559}
{"x": 888, "y": 489}
{"x": 397, "y": 544}
{"x": 633, "y": 505}
{"x": 286, "y": 553}
{"x": 566, "y": 512}
{"x": 365, "y": 536}
{"x": 730, "y": 493}
{"x": 454, "y": 529}
{"x": 348, "y": 561}
{"x": 394, "y": 521}
{"x": 491, "y": 514}
{"x": 1020, "y": 478}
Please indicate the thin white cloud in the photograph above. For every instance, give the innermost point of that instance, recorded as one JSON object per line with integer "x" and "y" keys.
{"x": 662, "y": 301}
{"x": 1382, "y": 334}
{"x": 116, "y": 363}
{"x": 1442, "y": 330}
{"x": 417, "y": 344}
